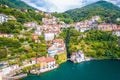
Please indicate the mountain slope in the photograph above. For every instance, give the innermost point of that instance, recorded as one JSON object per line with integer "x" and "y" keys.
{"x": 106, "y": 10}
{"x": 16, "y": 4}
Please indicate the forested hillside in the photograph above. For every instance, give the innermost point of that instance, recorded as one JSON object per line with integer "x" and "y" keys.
{"x": 16, "y": 4}
{"x": 108, "y": 12}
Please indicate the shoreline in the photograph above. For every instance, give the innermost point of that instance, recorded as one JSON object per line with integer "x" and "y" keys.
{"x": 94, "y": 59}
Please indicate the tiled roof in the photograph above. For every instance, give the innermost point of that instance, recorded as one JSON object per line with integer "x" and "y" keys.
{"x": 49, "y": 59}
{"x": 43, "y": 59}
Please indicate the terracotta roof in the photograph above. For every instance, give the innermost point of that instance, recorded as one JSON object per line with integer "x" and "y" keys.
{"x": 118, "y": 29}
{"x": 33, "y": 59}
{"x": 49, "y": 59}
{"x": 41, "y": 59}
{"x": 58, "y": 40}
{"x": 35, "y": 35}
{"x": 49, "y": 45}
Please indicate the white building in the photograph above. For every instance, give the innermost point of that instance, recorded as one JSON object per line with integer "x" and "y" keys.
{"x": 57, "y": 47}
{"x": 49, "y": 36}
{"x": 82, "y": 28}
{"x": 38, "y": 30}
{"x": 116, "y": 32}
{"x": 53, "y": 50}
{"x": 30, "y": 24}
{"x": 3, "y": 18}
{"x": 95, "y": 18}
{"x": 78, "y": 57}
{"x": 7, "y": 35}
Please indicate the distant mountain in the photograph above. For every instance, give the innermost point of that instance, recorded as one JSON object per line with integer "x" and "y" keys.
{"x": 16, "y": 4}
{"x": 108, "y": 11}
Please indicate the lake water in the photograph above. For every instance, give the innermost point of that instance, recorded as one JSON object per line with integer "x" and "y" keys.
{"x": 92, "y": 70}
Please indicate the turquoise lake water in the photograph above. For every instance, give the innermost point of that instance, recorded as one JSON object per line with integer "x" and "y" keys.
{"x": 91, "y": 70}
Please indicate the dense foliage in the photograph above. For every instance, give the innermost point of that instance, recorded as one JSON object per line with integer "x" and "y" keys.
{"x": 10, "y": 27}
{"x": 18, "y": 48}
{"x": 7, "y": 46}
{"x": 16, "y": 4}
{"x": 94, "y": 43}
{"x": 63, "y": 17}
{"x": 107, "y": 11}
{"x": 60, "y": 58}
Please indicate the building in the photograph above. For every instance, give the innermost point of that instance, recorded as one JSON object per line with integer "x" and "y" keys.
{"x": 57, "y": 47}
{"x": 118, "y": 19}
{"x": 82, "y": 26}
{"x": 30, "y": 25}
{"x": 77, "y": 57}
{"x": 46, "y": 63}
{"x": 21, "y": 36}
{"x": 3, "y": 18}
{"x": 37, "y": 11}
{"x": 49, "y": 36}
{"x": 7, "y": 35}
{"x": 107, "y": 27}
{"x": 35, "y": 37}
{"x": 38, "y": 30}
{"x": 48, "y": 15}
{"x": 116, "y": 32}
{"x": 96, "y": 18}
{"x": 87, "y": 24}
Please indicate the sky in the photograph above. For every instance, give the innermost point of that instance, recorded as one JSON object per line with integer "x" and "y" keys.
{"x": 62, "y": 5}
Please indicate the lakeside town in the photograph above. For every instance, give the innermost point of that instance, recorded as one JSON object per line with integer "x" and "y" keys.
{"x": 50, "y": 29}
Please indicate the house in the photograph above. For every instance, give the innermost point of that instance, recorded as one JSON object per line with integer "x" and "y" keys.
{"x": 30, "y": 24}
{"x": 3, "y": 18}
{"x": 49, "y": 36}
{"x": 87, "y": 24}
{"x": 37, "y": 11}
{"x": 24, "y": 10}
{"x": 46, "y": 63}
{"x": 50, "y": 21}
{"x": 118, "y": 19}
{"x": 116, "y": 32}
{"x": 77, "y": 57}
{"x": 21, "y": 36}
{"x": 33, "y": 60}
{"x": 95, "y": 18}
{"x": 82, "y": 26}
{"x": 57, "y": 47}
{"x": 38, "y": 30}
{"x": 7, "y": 35}
{"x": 48, "y": 15}
{"x": 107, "y": 27}
{"x": 35, "y": 37}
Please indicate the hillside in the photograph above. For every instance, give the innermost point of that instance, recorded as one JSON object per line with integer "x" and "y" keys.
{"x": 16, "y": 4}
{"x": 108, "y": 12}
{"x": 22, "y": 16}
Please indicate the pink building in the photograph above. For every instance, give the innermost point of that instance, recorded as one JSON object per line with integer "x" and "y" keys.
{"x": 107, "y": 27}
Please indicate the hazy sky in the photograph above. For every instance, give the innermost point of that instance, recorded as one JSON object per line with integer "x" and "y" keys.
{"x": 62, "y": 5}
